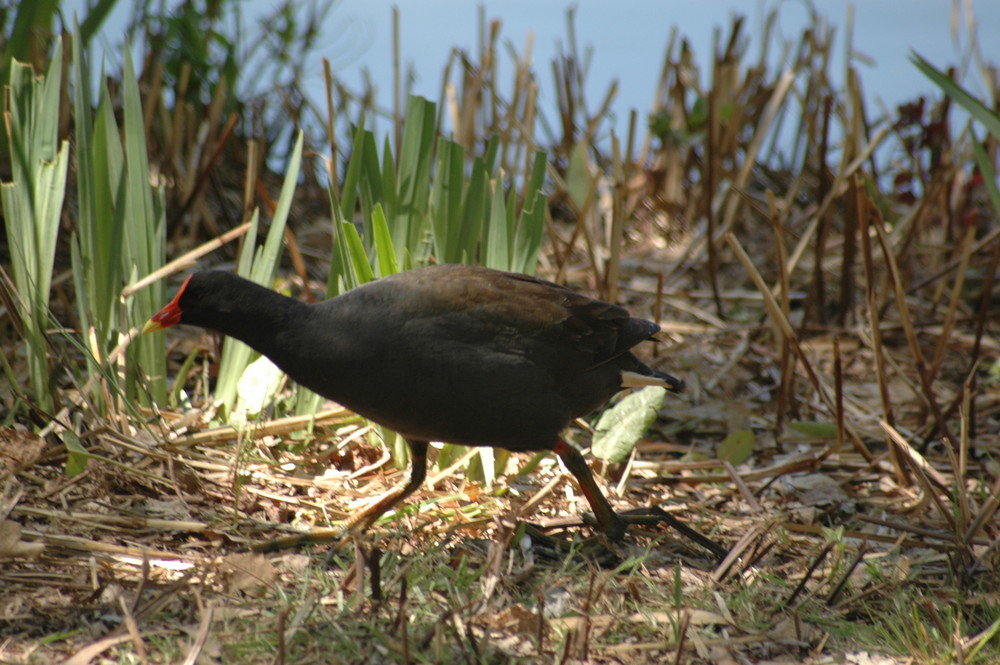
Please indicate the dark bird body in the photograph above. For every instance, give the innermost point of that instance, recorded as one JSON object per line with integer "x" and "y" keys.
{"x": 450, "y": 353}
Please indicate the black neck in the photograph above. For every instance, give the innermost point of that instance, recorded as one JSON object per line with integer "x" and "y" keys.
{"x": 251, "y": 313}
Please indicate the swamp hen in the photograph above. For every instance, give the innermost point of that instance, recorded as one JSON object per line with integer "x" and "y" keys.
{"x": 452, "y": 353}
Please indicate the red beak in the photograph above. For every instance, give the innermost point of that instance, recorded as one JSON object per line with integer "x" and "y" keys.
{"x": 169, "y": 315}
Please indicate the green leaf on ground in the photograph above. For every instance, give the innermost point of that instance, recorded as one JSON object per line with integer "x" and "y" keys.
{"x": 736, "y": 447}
{"x": 623, "y": 424}
{"x": 77, "y": 456}
{"x": 814, "y": 429}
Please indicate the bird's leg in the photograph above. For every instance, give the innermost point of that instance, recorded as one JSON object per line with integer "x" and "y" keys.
{"x": 418, "y": 471}
{"x": 364, "y": 519}
{"x": 610, "y": 522}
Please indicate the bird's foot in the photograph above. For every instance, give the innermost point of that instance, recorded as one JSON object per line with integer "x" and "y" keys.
{"x": 656, "y": 515}
{"x": 613, "y": 530}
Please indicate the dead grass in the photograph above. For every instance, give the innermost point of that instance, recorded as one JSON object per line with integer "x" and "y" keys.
{"x": 839, "y": 314}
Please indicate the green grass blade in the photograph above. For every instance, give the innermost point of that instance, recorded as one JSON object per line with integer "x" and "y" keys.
{"x": 266, "y": 266}
{"x": 528, "y": 236}
{"x": 381, "y": 184}
{"x": 989, "y": 175}
{"x": 341, "y": 276}
{"x": 100, "y": 160}
{"x": 144, "y": 245}
{"x": 260, "y": 265}
{"x": 358, "y": 255}
{"x": 491, "y": 153}
{"x": 349, "y": 188}
{"x": 536, "y": 179}
{"x": 446, "y": 202}
{"x": 236, "y": 355}
{"x": 531, "y": 224}
{"x": 474, "y": 211}
{"x": 97, "y": 14}
{"x": 496, "y": 244}
{"x": 32, "y": 204}
{"x": 413, "y": 177}
{"x": 976, "y": 108}
{"x": 382, "y": 239}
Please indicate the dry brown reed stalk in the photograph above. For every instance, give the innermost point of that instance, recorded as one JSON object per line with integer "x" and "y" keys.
{"x": 982, "y": 314}
{"x": 193, "y": 141}
{"x": 800, "y": 587}
{"x": 786, "y": 331}
{"x": 948, "y": 322}
{"x": 854, "y": 145}
{"x": 838, "y": 387}
{"x": 187, "y": 259}
{"x": 275, "y": 427}
{"x": 920, "y": 362}
{"x": 784, "y": 401}
{"x": 816, "y": 303}
{"x": 612, "y": 272}
{"x": 874, "y": 324}
{"x": 124, "y": 523}
{"x": 480, "y": 105}
{"x": 681, "y": 472}
{"x": 584, "y": 213}
{"x": 730, "y": 203}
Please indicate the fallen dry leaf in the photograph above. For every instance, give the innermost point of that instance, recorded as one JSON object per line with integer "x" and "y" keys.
{"x": 11, "y": 545}
{"x": 19, "y": 448}
{"x": 246, "y": 572}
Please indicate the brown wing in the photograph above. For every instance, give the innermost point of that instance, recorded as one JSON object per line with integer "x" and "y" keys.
{"x": 532, "y": 316}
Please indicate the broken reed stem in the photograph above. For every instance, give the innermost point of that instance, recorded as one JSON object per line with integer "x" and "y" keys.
{"x": 839, "y": 184}
{"x": 956, "y": 294}
{"x": 709, "y": 209}
{"x": 849, "y": 250}
{"x": 275, "y": 427}
{"x": 928, "y": 477}
{"x": 612, "y": 273}
{"x": 186, "y": 260}
{"x": 748, "y": 496}
{"x": 781, "y": 89}
{"x": 845, "y": 577}
{"x": 991, "y": 237}
{"x": 964, "y": 421}
{"x": 838, "y": 389}
{"x": 919, "y": 360}
{"x": 808, "y": 574}
{"x": 853, "y": 142}
{"x": 175, "y": 134}
{"x": 958, "y": 464}
{"x": 864, "y": 224}
{"x": 658, "y": 307}
{"x": 786, "y": 370}
{"x": 253, "y": 173}
{"x": 816, "y": 305}
{"x": 982, "y": 316}
{"x": 660, "y": 94}
{"x": 729, "y": 200}
{"x": 201, "y": 176}
{"x": 786, "y": 329}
